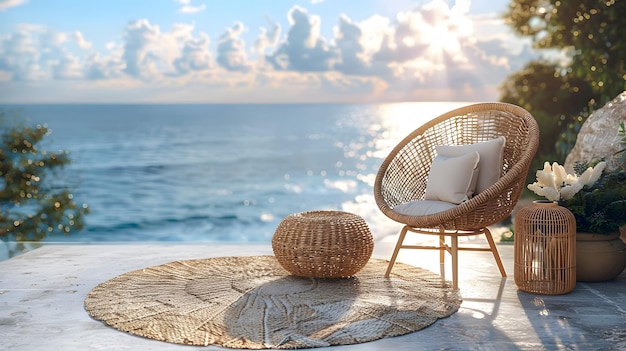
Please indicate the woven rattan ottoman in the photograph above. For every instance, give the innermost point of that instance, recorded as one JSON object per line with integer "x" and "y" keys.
{"x": 323, "y": 244}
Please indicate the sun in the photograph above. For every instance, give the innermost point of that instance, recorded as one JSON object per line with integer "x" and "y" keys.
{"x": 443, "y": 40}
{"x": 445, "y": 33}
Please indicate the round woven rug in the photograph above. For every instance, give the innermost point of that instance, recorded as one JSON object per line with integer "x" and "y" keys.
{"x": 252, "y": 302}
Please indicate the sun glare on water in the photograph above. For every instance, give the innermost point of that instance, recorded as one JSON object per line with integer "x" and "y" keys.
{"x": 396, "y": 121}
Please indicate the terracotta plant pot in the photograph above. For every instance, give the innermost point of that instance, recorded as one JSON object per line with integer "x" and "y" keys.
{"x": 599, "y": 257}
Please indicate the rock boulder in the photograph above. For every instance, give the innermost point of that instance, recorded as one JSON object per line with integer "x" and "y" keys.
{"x": 598, "y": 137}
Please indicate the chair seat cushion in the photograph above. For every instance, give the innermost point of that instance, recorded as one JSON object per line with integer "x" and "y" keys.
{"x": 490, "y": 166}
{"x": 452, "y": 179}
{"x": 423, "y": 207}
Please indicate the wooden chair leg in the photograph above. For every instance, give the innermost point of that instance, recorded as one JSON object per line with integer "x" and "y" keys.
{"x": 442, "y": 256}
{"x": 442, "y": 250}
{"x": 396, "y": 250}
{"x": 494, "y": 250}
{"x": 454, "y": 252}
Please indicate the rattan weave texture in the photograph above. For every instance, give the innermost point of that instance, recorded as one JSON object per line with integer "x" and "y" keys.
{"x": 545, "y": 249}
{"x": 251, "y": 302}
{"x": 403, "y": 175}
{"x": 323, "y": 244}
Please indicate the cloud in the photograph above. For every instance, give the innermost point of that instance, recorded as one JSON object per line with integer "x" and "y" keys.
{"x": 435, "y": 48}
{"x": 348, "y": 38}
{"x": 231, "y": 49}
{"x": 149, "y": 53}
{"x": 6, "y": 4}
{"x": 192, "y": 9}
{"x": 305, "y": 49}
{"x": 35, "y": 52}
{"x": 141, "y": 40}
{"x": 67, "y": 67}
{"x": 20, "y": 55}
{"x": 430, "y": 52}
{"x": 267, "y": 39}
{"x": 99, "y": 67}
{"x": 462, "y": 6}
{"x": 187, "y": 8}
{"x": 80, "y": 40}
{"x": 343, "y": 85}
{"x": 195, "y": 55}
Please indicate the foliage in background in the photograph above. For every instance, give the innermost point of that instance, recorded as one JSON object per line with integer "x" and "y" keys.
{"x": 34, "y": 202}
{"x": 582, "y": 69}
{"x": 600, "y": 208}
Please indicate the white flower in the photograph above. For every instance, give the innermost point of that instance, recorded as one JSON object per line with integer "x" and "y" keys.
{"x": 555, "y": 184}
{"x": 546, "y": 177}
{"x": 568, "y": 191}
{"x": 591, "y": 175}
{"x": 560, "y": 176}
{"x": 547, "y": 192}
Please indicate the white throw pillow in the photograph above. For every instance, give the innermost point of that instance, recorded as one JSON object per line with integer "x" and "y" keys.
{"x": 452, "y": 179}
{"x": 491, "y": 152}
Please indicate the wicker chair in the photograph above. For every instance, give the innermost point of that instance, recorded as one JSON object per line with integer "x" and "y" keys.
{"x": 403, "y": 176}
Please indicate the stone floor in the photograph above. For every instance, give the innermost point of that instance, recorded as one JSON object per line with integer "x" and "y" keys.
{"x": 42, "y": 294}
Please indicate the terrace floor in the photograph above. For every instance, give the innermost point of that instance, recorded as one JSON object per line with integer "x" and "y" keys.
{"x": 42, "y": 294}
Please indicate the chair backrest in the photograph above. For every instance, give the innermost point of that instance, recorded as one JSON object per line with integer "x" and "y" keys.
{"x": 403, "y": 174}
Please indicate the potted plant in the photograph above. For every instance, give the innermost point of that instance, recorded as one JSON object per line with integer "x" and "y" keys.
{"x": 597, "y": 199}
{"x": 600, "y": 208}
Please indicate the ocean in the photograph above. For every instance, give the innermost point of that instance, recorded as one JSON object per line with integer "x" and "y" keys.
{"x": 221, "y": 173}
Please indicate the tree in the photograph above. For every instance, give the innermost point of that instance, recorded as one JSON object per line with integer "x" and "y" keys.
{"x": 551, "y": 98}
{"x": 586, "y": 69}
{"x": 33, "y": 201}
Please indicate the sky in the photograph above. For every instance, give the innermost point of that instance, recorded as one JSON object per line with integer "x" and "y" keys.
{"x": 252, "y": 51}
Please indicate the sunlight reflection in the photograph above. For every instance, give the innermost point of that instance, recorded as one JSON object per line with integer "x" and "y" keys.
{"x": 540, "y": 303}
{"x": 381, "y": 127}
{"x": 341, "y": 185}
{"x": 478, "y": 315}
{"x": 367, "y": 178}
{"x": 267, "y": 217}
{"x": 396, "y": 121}
{"x": 296, "y": 189}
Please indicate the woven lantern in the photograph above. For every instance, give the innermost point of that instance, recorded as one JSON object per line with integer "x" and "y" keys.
{"x": 545, "y": 249}
{"x": 323, "y": 244}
